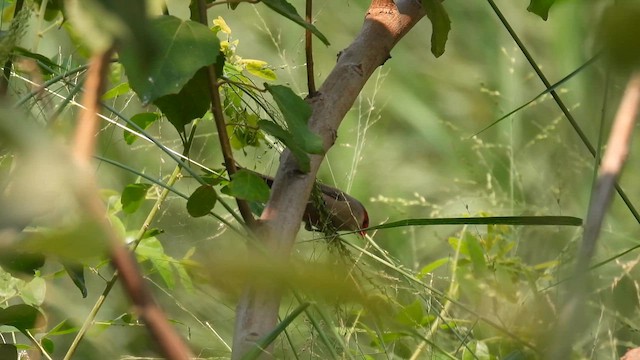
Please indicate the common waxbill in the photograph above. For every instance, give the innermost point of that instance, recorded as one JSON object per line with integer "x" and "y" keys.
{"x": 343, "y": 212}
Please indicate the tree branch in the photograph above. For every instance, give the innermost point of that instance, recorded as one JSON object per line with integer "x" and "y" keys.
{"x": 383, "y": 27}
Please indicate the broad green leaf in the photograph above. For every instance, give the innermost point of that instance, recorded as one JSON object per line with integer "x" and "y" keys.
{"x": 287, "y": 10}
{"x": 287, "y": 139}
{"x": 411, "y": 314}
{"x": 143, "y": 120}
{"x": 248, "y": 186}
{"x": 102, "y": 23}
{"x": 440, "y": 23}
{"x": 34, "y": 291}
{"x": 185, "y": 46}
{"x": 190, "y": 103}
{"x": 296, "y": 113}
{"x": 476, "y": 254}
{"x": 541, "y": 7}
{"x": 132, "y": 197}
{"x": 22, "y": 317}
{"x": 18, "y": 263}
{"x": 82, "y": 241}
{"x": 202, "y": 201}
{"x": 151, "y": 249}
{"x": 259, "y": 68}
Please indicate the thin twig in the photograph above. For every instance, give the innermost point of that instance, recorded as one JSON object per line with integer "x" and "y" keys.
{"x": 169, "y": 342}
{"x": 561, "y": 105}
{"x": 308, "y": 50}
{"x": 223, "y": 136}
{"x": 613, "y": 161}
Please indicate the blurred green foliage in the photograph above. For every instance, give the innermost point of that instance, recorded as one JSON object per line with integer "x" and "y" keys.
{"x": 406, "y": 150}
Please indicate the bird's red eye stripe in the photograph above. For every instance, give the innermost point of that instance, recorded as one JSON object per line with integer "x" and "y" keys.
{"x": 365, "y": 223}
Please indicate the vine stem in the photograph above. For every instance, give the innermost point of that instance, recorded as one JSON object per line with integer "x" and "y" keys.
{"x": 114, "y": 278}
{"x": 86, "y": 191}
{"x": 223, "y": 136}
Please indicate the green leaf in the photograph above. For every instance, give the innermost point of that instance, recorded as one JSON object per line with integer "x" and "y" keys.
{"x": 288, "y": 140}
{"x": 18, "y": 262}
{"x": 22, "y": 316}
{"x": 296, "y": 113}
{"x": 132, "y": 197}
{"x": 476, "y": 253}
{"x": 34, "y": 291}
{"x": 144, "y": 120}
{"x": 440, "y": 23}
{"x": 82, "y": 241}
{"x": 47, "y": 345}
{"x": 8, "y": 352}
{"x": 202, "y": 201}
{"x": 101, "y": 23}
{"x": 185, "y": 46}
{"x": 429, "y": 268}
{"x": 151, "y": 249}
{"x": 118, "y": 90}
{"x": 63, "y": 328}
{"x": 412, "y": 314}
{"x": 489, "y": 220}
{"x": 259, "y": 68}
{"x": 247, "y": 185}
{"x": 190, "y": 103}
{"x": 76, "y": 274}
{"x": 541, "y": 7}
{"x": 287, "y": 10}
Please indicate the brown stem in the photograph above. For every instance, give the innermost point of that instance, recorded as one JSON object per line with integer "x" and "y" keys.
{"x": 308, "y": 50}
{"x": 169, "y": 342}
{"x": 223, "y": 136}
{"x": 383, "y": 27}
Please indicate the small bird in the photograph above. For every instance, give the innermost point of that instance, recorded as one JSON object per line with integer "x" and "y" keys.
{"x": 340, "y": 211}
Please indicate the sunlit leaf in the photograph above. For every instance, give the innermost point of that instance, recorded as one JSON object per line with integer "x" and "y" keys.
{"x": 259, "y": 68}
{"x": 34, "y": 291}
{"x": 429, "y": 268}
{"x": 247, "y": 185}
{"x": 202, "y": 201}
{"x": 118, "y": 90}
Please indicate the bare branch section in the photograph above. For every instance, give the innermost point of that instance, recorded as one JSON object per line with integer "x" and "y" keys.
{"x": 385, "y": 24}
{"x": 169, "y": 342}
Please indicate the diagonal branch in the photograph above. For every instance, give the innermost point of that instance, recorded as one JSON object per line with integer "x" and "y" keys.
{"x": 385, "y": 24}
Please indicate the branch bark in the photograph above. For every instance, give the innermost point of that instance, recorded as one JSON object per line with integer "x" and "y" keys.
{"x": 385, "y": 24}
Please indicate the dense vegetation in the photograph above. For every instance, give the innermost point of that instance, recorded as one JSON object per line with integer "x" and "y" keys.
{"x": 475, "y": 148}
